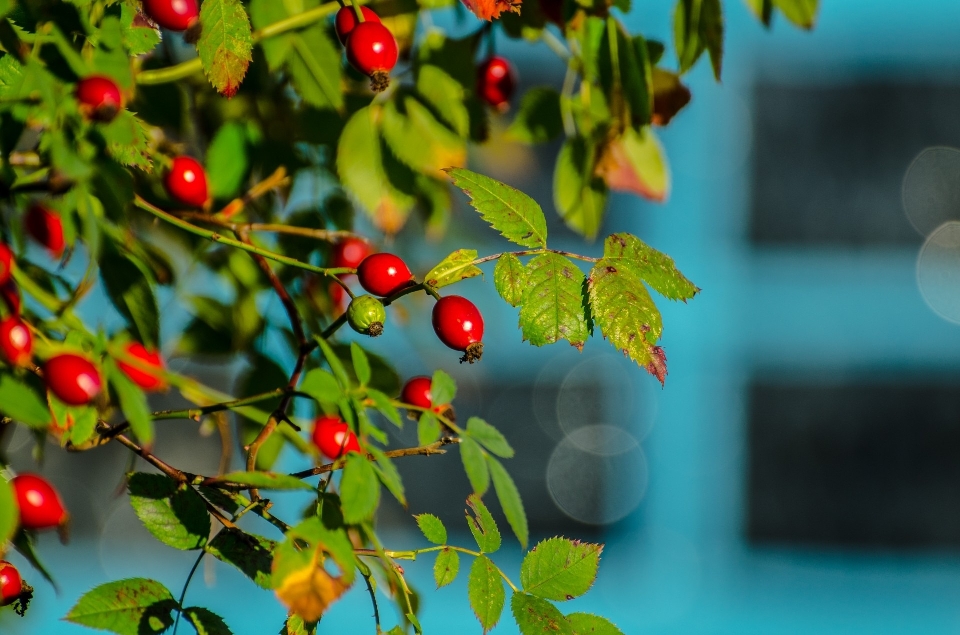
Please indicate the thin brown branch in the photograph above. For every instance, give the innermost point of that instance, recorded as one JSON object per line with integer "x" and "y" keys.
{"x": 149, "y": 457}
{"x": 329, "y": 235}
{"x": 423, "y": 450}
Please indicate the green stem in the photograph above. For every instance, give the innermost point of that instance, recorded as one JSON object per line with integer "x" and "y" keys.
{"x": 446, "y": 420}
{"x": 194, "y": 413}
{"x": 218, "y": 238}
{"x": 413, "y": 553}
{"x": 533, "y": 252}
{"x": 188, "y": 68}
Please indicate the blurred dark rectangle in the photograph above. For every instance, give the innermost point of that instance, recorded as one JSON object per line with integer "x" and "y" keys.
{"x": 858, "y": 464}
{"x": 829, "y": 160}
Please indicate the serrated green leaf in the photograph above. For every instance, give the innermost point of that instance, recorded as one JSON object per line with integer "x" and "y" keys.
{"x": 553, "y": 305}
{"x": 446, "y": 567}
{"x": 385, "y": 407}
{"x": 712, "y": 32}
{"x": 538, "y": 119}
{"x": 265, "y": 480}
{"x": 251, "y": 554}
{"x": 623, "y": 310}
{"x": 698, "y": 26}
{"x": 83, "y": 422}
{"x": 559, "y": 569}
{"x": 361, "y": 364}
{"x": 445, "y": 94}
{"x": 442, "y": 388}
{"x": 511, "y": 212}
{"x": 802, "y": 13}
{"x": 453, "y": 268}
{"x": 128, "y": 141}
{"x": 510, "y": 279}
{"x": 225, "y": 45}
{"x": 129, "y": 287}
{"x": 21, "y": 403}
{"x": 322, "y": 386}
{"x": 9, "y": 512}
{"x": 432, "y": 528}
{"x": 133, "y": 403}
{"x": 389, "y": 475}
{"x": 176, "y": 515}
{"x": 359, "y": 489}
{"x": 420, "y": 141}
{"x": 135, "y": 606}
{"x": 23, "y": 542}
{"x": 226, "y": 161}
{"x": 655, "y": 267}
{"x": 587, "y": 624}
{"x": 578, "y": 194}
{"x": 489, "y": 437}
{"x": 428, "y": 428}
{"x": 482, "y": 525}
{"x": 474, "y": 465}
{"x": 538, "y": 617}
{"x": 136, "y": 39}
{"x": 485, "y": 591}
{"x": 110, "y": 58}
{"x": 510, "y": 501}
{"x": 295, "y": 624}
{"x": 206, "y": 621}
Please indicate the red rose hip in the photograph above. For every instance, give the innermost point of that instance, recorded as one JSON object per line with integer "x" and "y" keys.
{"x": 72, "y": 378}
{"x": 350, "y": 253}
{"x": 6, "y": 263}
{"x": 346, "y": 21}
{"x": 496, "y": 82}
{"x": 143, "y": 378}
{"x": 11, "y": 585}
{"x": 333, "y": 437}
{"x": 175, "y": 15}
{"x": 416, "y": 392}
{"x": 383, "y": 274}
{"x": 99, "y": 97}
{"x": 40, "y": 505}
{"x": 372, "y": 50}
{"x": 459, "y": 325}
{"x": 186, "y": 182}
{"x": 46, "y": 228}
{"x": 16, "y": 341}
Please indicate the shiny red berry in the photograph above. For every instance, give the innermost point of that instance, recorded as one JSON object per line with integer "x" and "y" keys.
{"x": 40, "y": 505}
{"x": 175, "y": 15}
{"x": 496, "y": 82}
{"x": 346, "y": 21}
{"x": 99, "y": 97}
{"x": 16, "y": 341}
{"x": 372, "y": 50}
{"x": 143, "y": 378}
{"x": 459, "y": 325}
{"x": 10, "y": 294}
{"x": 333, "y": 437}
{"x": 350, "y": 253}
{"x": 46, "y": 228}
{"x": 72, "y": 378}
{"x": 187, "y": 182}
{"x": 383, "y": 274}
{"x": 417, "y": 392}
{"x": 11, "y": 584}
{"x": 6, "y": 263}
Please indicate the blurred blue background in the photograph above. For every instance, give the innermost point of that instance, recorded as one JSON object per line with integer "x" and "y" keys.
{"x": 798, "y": 473}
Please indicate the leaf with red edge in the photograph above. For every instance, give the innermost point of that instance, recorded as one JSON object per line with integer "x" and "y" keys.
{"x": 225, "y": 45}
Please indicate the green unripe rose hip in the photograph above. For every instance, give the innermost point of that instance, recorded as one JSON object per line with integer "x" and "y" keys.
{"x": 366, "y": 315}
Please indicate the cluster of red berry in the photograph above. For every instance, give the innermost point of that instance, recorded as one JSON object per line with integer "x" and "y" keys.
{"x": 333, "y": 437}
{"x": 496, "y": 82}
{"x": 72, "y": 377}
{"x": 39, "y": 507}
{"x": 371, "y": 47}
{"x": 456, "y": 320}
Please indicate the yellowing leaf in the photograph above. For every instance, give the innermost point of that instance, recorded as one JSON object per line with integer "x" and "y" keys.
{"x": 309, "y": 591}
{"x": 636, "y": 163}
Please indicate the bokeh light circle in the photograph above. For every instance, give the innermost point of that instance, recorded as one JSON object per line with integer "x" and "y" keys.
{"x": 938, "y": 271}
{"x": 931, "y": 189}
{"x": 597, "y": 474}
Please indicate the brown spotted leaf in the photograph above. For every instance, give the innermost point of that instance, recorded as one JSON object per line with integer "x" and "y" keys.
{"x": 553, "y": 303}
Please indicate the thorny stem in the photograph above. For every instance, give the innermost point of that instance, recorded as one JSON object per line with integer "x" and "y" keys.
{"x": 188, "y": 68}
{"x": 373, "y": 597}
{"x": 413, "y": 553}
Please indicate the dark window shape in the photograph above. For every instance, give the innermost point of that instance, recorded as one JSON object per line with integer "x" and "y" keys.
{"x": 860, "y": 464}
{"x": 829, "y": 160}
